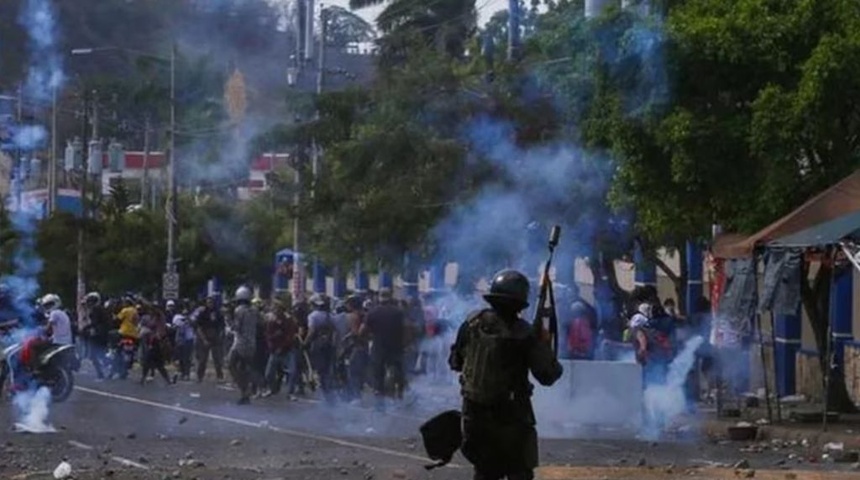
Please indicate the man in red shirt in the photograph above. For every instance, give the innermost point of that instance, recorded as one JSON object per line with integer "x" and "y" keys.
{"x": 281, "y": 332}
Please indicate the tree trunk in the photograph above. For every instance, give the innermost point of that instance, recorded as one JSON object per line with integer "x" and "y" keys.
{"x": 679, "y": 280}
{"x": 604, "y": 266}
{"x": 816, "y": 303}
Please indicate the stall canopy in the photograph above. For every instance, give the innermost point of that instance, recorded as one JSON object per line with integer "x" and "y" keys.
{"x": 835, "y": 203}
{"x": 827, "y": 233}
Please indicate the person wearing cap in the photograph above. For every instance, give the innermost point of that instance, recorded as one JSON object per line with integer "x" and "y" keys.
{"x": 495, "y": 352}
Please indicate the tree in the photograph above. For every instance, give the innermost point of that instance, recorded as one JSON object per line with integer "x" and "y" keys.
{"x": 346, "y": 28}
{"x": 760, "y": 117}
{"x": 446, "y": 24}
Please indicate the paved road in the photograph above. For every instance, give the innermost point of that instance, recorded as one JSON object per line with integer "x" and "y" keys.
{"x": 120, "y": 429}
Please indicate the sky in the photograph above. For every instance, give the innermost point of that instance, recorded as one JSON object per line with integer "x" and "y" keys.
{"x": 486, "y": 9}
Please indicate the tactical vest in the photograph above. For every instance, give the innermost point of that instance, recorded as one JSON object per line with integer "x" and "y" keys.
{"x": 325, "y": 335}
{"x": 495, "y": 365}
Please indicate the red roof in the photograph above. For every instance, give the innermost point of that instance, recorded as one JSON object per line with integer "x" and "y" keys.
{"x": 134, "y": 161}
{"x": 265, "y": 162}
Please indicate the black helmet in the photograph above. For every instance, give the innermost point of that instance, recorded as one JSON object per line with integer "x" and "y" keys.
{"x": 509, "y": 285}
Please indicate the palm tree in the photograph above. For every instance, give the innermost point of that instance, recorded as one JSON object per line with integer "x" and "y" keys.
{"x": 448, "y": 24}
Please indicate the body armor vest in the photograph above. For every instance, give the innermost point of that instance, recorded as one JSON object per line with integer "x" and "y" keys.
{"x": 494, "y": 363}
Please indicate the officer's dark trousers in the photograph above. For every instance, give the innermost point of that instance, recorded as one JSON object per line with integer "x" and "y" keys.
{"x": 357, "y": 372}
{"x": 500, "y": 441}
{"x": 382, "y": 360}
{"x": 214, "y": 345}
{"x": 241, "y": 370}
{"x": 322, "y": 360}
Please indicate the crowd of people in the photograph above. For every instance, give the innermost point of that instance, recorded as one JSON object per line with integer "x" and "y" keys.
{"x": 340, "y": 347}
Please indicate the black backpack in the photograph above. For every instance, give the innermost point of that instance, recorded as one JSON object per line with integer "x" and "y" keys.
{"x": 442, "y": 437}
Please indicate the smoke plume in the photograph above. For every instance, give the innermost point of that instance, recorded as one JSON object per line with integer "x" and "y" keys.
{"x": 33, "y": 407}
{"x": 562, "y": 182}
{"x": 44, "y": 76}
{"x": 666, "y": 402}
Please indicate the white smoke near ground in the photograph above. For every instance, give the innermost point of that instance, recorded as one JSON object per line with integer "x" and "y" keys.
{"x": 33, "y": 407}
{"x": 666, "y": 402}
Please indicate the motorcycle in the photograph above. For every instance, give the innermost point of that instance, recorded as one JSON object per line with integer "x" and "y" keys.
{"x": 51, "y": 368}
{"x": 121, "y": 355}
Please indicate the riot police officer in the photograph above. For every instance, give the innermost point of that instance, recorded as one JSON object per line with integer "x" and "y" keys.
{"x": 495, "y": 350}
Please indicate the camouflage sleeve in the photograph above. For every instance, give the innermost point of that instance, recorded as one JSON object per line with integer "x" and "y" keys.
{"x": 542, "y": 362}
{"x": 455, "y": 360}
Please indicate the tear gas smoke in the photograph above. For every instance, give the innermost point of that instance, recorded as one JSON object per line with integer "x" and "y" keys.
{"x": 45, "y": 72}
{"x": 667, "y": 401}
{"x": 32, "y": 407}
{"x": 29, "y": 137}
{"x": 566, "y": 184}
{"x": 44, "y": 76}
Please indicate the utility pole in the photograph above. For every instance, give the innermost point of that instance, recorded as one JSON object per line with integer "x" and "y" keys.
{"x": 315, "y": 165}
{"x": 323, "y": 31}
{"x": 16, "y": 162}
{"x": 81, "y": 283}
{"x": 20, "y": 105}
{"x": 301, "y": 19}
{"x": 309, "y": 29}
{"x": 171, "y": 172}
{"x": 52, "y": 161}
{"x": 145, "y": 183}
{"x": 298, "y": 289}
{"x": 513, "y": 29}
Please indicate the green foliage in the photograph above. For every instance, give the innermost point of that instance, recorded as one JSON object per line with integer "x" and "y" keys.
{"x": 445, "y": 24}
{"x": 345, "y": 28}
{"x": 758, "y": 116}
{"x": 388, "y": 172}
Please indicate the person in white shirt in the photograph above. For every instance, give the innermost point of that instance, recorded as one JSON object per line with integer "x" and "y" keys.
{"x": 184, "y": 342}
{"x": 59, "y": 324}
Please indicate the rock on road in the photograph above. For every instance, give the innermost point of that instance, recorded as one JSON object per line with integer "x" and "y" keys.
{"x": 120, "y": 429}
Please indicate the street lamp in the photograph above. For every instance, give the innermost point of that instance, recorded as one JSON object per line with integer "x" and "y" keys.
{"x": 170, "y": 266}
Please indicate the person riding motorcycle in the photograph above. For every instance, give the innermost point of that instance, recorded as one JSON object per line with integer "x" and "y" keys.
{"x": 127, "y": 336}
{"x": 59, "y": 324}
{"x": 128, "y": 320}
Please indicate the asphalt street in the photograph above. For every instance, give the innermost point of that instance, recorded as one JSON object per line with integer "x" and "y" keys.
{"x": 121, "y": 429}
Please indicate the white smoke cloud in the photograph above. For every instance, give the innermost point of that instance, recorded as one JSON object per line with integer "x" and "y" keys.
{"x": 33, "y": 408}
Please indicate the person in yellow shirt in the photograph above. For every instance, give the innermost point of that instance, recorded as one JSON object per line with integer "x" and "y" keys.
{"x": 128, "y": 320}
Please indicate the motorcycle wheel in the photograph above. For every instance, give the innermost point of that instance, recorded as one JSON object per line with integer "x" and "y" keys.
{"x": 5, "y": 380}
{"x": 60, "y": 381}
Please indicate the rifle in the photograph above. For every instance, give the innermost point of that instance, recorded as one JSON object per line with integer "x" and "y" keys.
{"x": 546, "y": 319}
